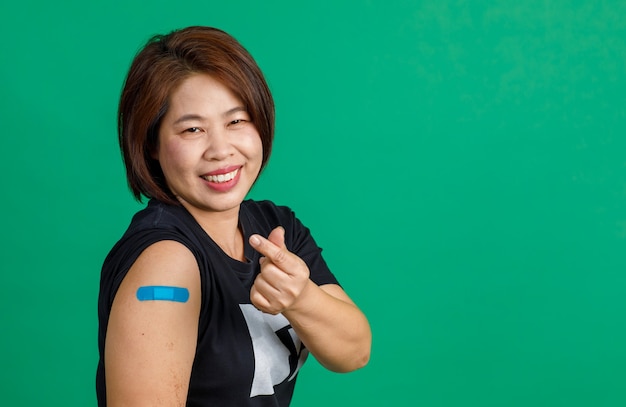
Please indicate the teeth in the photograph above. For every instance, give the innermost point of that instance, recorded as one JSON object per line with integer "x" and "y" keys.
{"x": 222, "y": 177}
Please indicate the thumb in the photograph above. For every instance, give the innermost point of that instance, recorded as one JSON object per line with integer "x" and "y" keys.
{"x": 277, "y": 236}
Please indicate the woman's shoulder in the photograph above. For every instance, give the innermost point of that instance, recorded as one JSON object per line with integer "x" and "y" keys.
{"x": 156, "y": 222}
{"x": 158, "y": 215}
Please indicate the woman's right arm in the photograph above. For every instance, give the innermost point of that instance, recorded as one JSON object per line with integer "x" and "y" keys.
{"x": 150, "y": 345}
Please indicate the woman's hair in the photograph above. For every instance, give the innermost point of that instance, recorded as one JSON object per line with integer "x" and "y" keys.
{"x": 156, "y": 71}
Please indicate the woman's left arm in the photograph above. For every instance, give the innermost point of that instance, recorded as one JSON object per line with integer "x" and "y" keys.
{"x": 331, "y": 326}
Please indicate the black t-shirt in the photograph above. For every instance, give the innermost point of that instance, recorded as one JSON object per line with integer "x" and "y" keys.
{"x": 244, "y": 357}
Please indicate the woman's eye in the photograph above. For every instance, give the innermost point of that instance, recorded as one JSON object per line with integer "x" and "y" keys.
{"x": 237, "y": 121}
{"x": 193, "y": 130}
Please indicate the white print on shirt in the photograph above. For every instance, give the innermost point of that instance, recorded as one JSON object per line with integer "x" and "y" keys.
{"x": 278, "y": 352}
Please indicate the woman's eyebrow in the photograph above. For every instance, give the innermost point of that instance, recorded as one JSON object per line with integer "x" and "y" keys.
{"x": 193, "y": 116}
{"x": 187, "y": 117}
{"x": 235, "y": 109}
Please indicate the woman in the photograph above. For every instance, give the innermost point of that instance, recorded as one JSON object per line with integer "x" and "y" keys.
{"x": 210, "y": 299}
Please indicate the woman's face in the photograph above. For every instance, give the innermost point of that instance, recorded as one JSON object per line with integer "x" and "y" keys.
{"x": 209, "y": 150}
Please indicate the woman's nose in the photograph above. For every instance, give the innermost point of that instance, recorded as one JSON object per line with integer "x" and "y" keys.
{"x": 218, "y": 146}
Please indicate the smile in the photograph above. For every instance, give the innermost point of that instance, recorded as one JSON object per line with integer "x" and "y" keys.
{"x": 221, "y": 177}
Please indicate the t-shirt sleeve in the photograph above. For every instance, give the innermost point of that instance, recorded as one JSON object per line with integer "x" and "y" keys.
{"x": 126, "y": 252}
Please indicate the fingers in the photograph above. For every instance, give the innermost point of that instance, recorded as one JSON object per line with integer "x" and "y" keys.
{"x": 262, "y": 303}
{"x": 283, "y": 275}
{"x": 277, "y": 236}
{"x": 274, "y": 291}
{"x": 267, "y": 297}
{"x": 273, "y": 248}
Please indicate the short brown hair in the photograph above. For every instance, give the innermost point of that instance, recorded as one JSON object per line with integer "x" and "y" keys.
{"x": 163, "y": 63}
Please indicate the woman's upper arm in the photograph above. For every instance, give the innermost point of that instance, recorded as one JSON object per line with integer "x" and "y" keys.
{"x": 150, "y": 345}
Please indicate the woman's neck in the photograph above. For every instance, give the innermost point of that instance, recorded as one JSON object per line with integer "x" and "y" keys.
{"x": 223, "y": 228}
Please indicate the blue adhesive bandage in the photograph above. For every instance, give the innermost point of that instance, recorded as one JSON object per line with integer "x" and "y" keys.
{"x": 162, "y": 293}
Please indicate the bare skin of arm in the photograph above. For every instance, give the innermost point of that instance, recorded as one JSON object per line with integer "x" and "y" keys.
{"x": 327, "y": 321}
{"x": 150, "y": 345}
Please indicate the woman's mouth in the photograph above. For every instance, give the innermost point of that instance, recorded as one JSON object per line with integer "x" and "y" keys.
{"x": 220, "y": 178}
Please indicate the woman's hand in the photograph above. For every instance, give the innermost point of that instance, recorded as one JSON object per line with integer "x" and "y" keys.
{"x": 284, "y": 277}
{"x": 327, "y": 321}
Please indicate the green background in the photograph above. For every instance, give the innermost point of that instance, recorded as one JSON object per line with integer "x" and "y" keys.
{"x": 463, "y": 164}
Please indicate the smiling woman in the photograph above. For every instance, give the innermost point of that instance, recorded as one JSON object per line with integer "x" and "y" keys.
{"x": 209, "y": 150}
{"x": 208, "y": 298}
